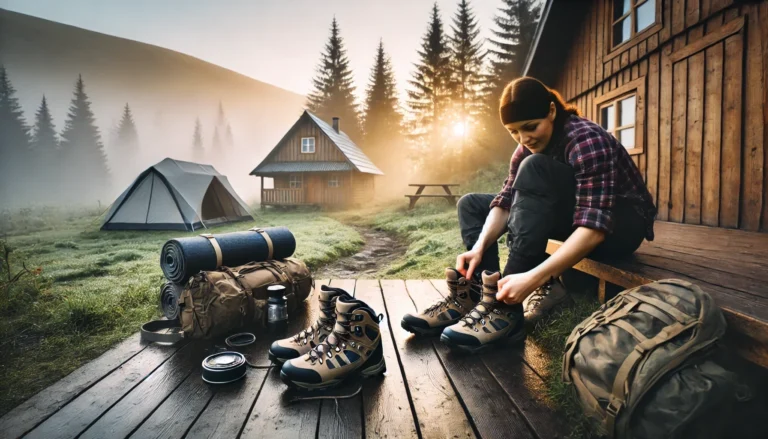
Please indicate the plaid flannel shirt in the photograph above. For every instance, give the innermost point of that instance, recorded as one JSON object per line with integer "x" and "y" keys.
{"x": 604, "y": 173}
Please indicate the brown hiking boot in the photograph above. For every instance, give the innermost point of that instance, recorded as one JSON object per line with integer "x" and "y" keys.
{"x": 304, "y": 341}
{"x": 491, "y": 322}
{"x": 353, "y": 348}
{"x": 543, "y": 299}
{"x": 447, "y": 311}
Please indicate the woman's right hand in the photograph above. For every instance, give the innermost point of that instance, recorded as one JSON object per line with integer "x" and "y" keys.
{"x": 472, "y": 259}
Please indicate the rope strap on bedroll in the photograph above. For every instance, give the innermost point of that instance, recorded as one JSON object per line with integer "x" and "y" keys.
{"x": 148, "y": 331}
{"x": 261, "y": 232}
{"x": 217, "y": 248}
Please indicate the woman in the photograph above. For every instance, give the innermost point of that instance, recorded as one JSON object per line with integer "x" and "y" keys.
{"x": 569, "y": 179}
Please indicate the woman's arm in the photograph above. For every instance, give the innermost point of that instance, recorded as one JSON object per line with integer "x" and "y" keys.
{"x": 495, "y": 226}
{"x": 516, "y": 287}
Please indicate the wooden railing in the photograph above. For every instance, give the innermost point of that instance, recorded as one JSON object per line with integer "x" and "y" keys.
{"x": 282, "y": 196}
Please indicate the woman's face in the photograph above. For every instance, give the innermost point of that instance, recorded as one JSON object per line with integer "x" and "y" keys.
{"x": 534, "y": 134}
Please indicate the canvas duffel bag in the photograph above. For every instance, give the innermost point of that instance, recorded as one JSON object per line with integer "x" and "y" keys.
{"x": 643, "y": 365}
{"x": 217, "y": 302}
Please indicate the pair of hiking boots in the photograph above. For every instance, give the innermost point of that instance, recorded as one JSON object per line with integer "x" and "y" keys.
{"x": 470, "y": 318}
{"x": 345, "y": 340}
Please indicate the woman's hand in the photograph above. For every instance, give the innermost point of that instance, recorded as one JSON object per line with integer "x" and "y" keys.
{"x": 471, "y": 258}
{"x": 516, "y": 287}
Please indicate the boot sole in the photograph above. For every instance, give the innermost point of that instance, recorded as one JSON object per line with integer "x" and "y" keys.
{"x": 421, "y": 331}
{"x": 371, "y": 371}
{"x": 278, "y": 360}
{"x": 517, "y": 338}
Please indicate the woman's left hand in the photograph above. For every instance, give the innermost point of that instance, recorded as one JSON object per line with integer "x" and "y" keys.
{"x": 516, "y": 287}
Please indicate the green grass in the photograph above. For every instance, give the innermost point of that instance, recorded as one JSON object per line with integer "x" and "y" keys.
{"x": 89, "y": 289}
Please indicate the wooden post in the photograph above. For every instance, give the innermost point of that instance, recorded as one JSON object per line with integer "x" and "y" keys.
{"x": 262, "y": 191}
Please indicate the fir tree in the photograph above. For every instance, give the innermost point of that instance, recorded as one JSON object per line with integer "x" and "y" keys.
{"x": 514, "y": 36}
{"x": 333, "y": 94}
{"x": 430, "y": 98}
{"x": 84, "y": 157}
{"x": 125, "y": 148}
{"x": 216, "y": 142}
{"x": 198, "y": 153}
{"x": 14, "y": 142}
{"x": 44, "y": 138}
{"x": 45, "y": 148}
{"x": 127, "y": 135}
{"x": 467, "y": 65}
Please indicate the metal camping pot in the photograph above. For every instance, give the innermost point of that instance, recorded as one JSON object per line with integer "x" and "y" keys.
{"x": 277, "y": 310}
{"x": 224, "y": 367}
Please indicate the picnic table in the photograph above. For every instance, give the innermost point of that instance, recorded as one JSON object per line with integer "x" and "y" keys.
{"x": 449, "y": 196}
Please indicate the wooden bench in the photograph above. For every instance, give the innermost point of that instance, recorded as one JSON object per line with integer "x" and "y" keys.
{"x": 450, "y": 197}
{"x": 730, "y": 265}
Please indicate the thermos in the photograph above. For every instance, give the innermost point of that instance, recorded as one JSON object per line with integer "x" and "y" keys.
{"x": 277, "y": 310}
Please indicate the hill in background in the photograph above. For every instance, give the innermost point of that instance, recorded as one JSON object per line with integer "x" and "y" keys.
{"x": 166, "y": 91}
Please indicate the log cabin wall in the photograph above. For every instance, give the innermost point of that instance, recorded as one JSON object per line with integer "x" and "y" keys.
{"x": 290, "y": 149}
{"x": 702, "y": 103}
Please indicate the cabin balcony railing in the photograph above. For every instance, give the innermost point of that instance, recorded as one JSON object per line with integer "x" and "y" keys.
{"x": 284, "y": 197}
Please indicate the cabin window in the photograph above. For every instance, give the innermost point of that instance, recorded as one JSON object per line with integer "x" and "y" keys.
{"x": 295, "y": 181}
{"x": 621, "y": 113}
{"x": 308, "y": 145}
{"x": 334, "y": 181}
{"x": 630, "y": 17}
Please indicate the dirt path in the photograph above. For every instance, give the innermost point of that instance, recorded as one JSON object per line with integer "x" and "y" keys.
{"x": 379, "y": 250}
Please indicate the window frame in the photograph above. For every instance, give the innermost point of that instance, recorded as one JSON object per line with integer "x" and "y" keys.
{"x": 334, "y": 178}
{"x": 313, "y": 145}
{"x": 612, "y": 51}
{"x": 297, "y": 182}
{"x": 636, "y": 88}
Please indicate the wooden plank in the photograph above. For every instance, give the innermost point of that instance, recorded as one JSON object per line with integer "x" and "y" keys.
{"x": 694, "y": 135}
{"x": 732, "y": 124}
{"x": 49, "y": 400}
{"x": 389, "y": 399}
{"x": 633, "y": 54}
{"x": 764, "y": 27}
{"x": 642, "y": 117}
{"x": 593, "y": 11}
{"x": 700, "y": 43}
{"x": 692, "y": 12}
{"x": 342, "y": 418}
{"x": 752, "y": 153}
{"x": 653, "y": 42}
{"x": 429, "y": 385}
{"x": 721, "y": 266}
{"x": 263, "y": 402}
{"x": 713, "y": 98}
{"x": 599, "y": 11}
{"x": 76, "y": 416}
{"x": 666, "y": 31}
{"x": 679, "y": 124}
{"x": 706, "y": 8}
{"x": 678, "y": 17}
{"x": 491, "y": 410}
{"x": 665, "y": 134}
{"x": 127, "y": 414}
{"x": 642, "y": 48}
{"x": 652, "y": 121}
{"x": 176, "y": 414}
{"x": 586, "y": 47}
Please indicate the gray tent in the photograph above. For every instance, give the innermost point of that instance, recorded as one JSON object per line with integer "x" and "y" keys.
{"x": 176, "y": 195}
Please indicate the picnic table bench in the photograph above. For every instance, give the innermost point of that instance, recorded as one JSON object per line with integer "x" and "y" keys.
{"x": 448, "y": 195}
{"x": 731, "y": 265}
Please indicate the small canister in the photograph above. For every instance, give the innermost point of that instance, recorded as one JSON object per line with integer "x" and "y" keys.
{"x": 224, "y": 367}
{"x": 277, "y": 310}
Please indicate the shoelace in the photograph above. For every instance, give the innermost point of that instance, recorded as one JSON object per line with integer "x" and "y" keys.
{"x": 324, "y": 321}
{"x": 334, "y": 342}
{"x": 443, "y": 303}
{"x": 478, "y": 315}
{"x": 539, "y": 294}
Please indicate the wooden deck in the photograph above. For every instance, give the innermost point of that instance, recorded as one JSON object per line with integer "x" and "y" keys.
{"x": 148, "y": 391}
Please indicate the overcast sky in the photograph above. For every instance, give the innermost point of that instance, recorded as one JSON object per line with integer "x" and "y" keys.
{"x": 275, "y": 41}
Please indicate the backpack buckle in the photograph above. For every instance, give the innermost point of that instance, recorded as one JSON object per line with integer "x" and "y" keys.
{"x": 613, "y": 410}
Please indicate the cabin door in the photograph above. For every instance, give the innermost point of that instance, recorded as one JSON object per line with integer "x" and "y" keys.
{"x": 314, "y": 190}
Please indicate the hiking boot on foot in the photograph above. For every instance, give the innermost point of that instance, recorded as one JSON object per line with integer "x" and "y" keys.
{"x": 447, "y": 311}
{"x": 490, "y": 322}
{"x": 543, "y": 299}
{"x": 304, "y": 341}
{"x": 353, "y": 348}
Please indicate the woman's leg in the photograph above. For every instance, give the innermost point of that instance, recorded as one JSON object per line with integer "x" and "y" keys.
{"x": 473, "y": 209}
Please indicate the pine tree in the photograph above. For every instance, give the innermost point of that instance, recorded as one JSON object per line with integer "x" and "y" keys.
{"x": 45, "y": 148}
{"x": 14, "y": 143}
{"x": 198, "y": 153}
{"x": 382, "y": 121}
{"x": 127, "y": 134}
{"x": 430, "y": 98}
{"x": 333, "y": 94}
{"x": 216, "y": 142}
{"x": 125, "y": 148}
{"x": 469, "y": 81}
{"x": 84, "y": 158}
{"x": 44, "y": 137}
{"x": 514, "y": 36}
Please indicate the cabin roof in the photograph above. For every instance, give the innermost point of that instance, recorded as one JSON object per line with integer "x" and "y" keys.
{"x": 357, "y": 159}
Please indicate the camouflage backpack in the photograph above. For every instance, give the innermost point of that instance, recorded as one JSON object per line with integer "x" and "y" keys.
{"x": 217, "y": 302}
{"x": 642, "y": 365}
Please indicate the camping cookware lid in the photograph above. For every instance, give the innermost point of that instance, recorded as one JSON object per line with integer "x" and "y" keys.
{"x": 224, "y": 367}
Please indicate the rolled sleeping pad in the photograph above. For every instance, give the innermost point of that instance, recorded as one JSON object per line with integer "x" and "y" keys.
{"x": 169, "y": 299}
{"x": 181, "y": 258}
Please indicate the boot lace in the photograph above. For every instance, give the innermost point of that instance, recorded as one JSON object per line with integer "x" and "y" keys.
{"x": 325, "y": 321}
{"x": 334, "y": 342}
{"x": 540, "y": 294}
{"x": 484, "y": 309}
{"x": 442, "y": 304}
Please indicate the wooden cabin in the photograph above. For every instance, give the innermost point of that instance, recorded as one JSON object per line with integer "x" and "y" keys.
{"x": 316, "y": 164}
{"x": 684, "y": 86}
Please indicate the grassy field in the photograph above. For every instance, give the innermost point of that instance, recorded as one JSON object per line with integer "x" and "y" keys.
{"x": 85, "y": 290}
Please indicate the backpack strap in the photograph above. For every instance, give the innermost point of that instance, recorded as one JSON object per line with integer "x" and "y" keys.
{"x": 216, "y": 248}
{"x": 148, "y": 331}
{"x": 266, "y": 237}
